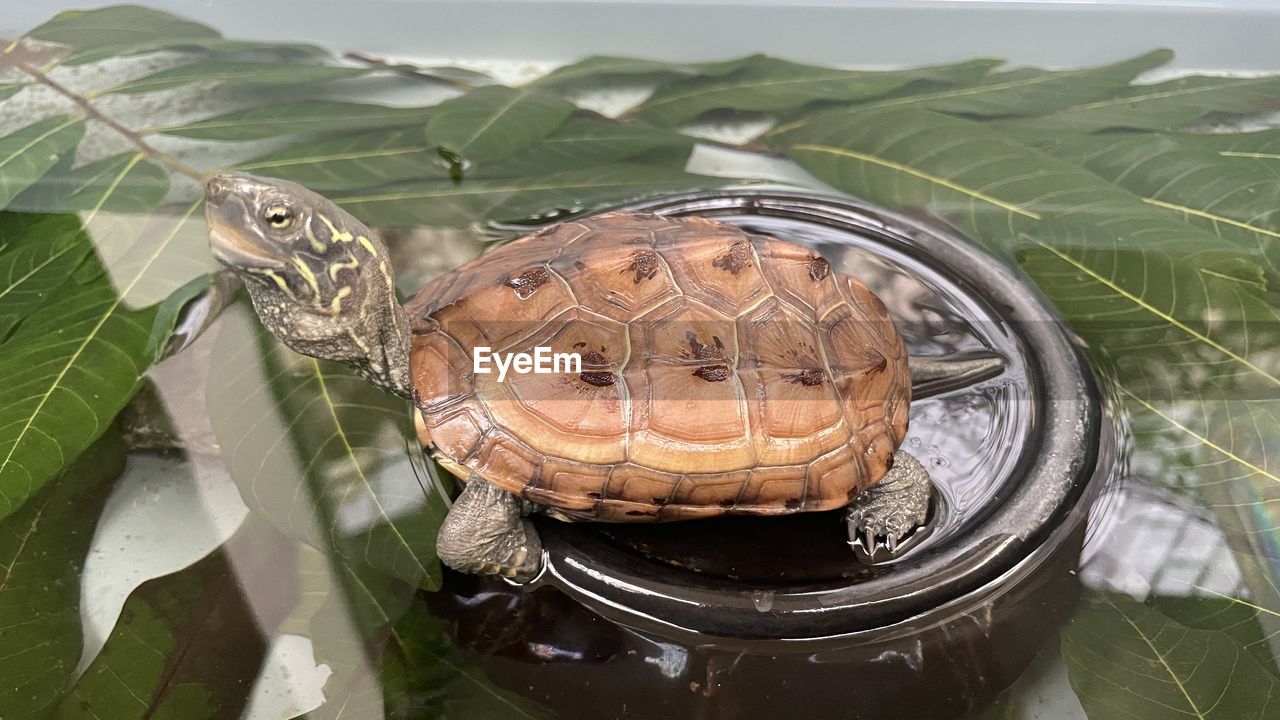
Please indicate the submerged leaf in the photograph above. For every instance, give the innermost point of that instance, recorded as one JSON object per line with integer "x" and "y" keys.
{"x": 308, "y": 116}
{"x": 769, "y": 84}
{"x": 237, "y": 73}
{"x": 42, "y": 551}
{"x": 31, "y": 152}
{"x": 1128, "y": 660}
{"x": 1237, "y": 618}
{"x": 186, "y": 646}
{"x": 494, "y": 122}
{"x": 425, "y": 675}
{"x": 321, "y": 453}
{"x": 69, "y": 367}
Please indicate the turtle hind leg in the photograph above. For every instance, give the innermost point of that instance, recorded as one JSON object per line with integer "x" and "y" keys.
{"x": 486, "y": 533}
{"x": 886, "y": 514}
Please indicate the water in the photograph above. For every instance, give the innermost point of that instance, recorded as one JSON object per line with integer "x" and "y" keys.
{"x": 288, "y": 518}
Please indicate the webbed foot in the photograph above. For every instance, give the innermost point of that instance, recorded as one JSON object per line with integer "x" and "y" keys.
{"x": 486, "y": 533}
{"x": 882, "y": 519}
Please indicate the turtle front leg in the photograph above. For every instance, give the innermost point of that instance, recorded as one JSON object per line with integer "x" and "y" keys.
{"x": 889, "y": 512}
{"x": 486, "y": 533}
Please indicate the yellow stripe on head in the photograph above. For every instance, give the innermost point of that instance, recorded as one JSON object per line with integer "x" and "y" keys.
{"x": 337, "y": 267}
{"x": 311, "y": 238}
{"x": 335, "y": 307}
{"x": 336, "y": 235}
{"x": 284, "y": 287}
{"x": 307, "y": 275}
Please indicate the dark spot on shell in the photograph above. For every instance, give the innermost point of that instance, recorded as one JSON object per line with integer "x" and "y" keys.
{"x": 699, "y": 350}
{"x": 809, "y": 378}
{"x": 819, "y": 268}
{"x": 876, "y": 362}
{"x": 888, "y": 464}
{"x": 638, "y": 512}
{"x": 595, "y": 370}
{"x": 793, "y": 503}
{"x": 712, "y": 373}
{"x": 527, "y": 283}
{"x": 659, "y": 501}
{"x": 593, "y": 495}
{"x": 579, "y": 344}
{"x": 579, "y": 265}
{"x": 644, "y": 263}
{"x": 735, "y": 259}
{"x": 728, "y": 503}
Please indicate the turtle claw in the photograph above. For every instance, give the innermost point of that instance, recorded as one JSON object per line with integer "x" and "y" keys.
{"x": 889, "y": 519}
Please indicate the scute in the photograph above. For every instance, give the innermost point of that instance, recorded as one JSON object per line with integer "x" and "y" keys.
{"x": 730, "y": 373}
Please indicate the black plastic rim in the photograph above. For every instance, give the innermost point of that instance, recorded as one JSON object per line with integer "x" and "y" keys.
{"x": 1046, "y": 509}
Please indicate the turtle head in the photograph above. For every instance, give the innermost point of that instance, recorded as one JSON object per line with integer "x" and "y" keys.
{"x": 319, "y": 279}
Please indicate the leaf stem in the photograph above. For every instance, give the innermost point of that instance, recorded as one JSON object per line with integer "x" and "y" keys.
{"x": 94, "y": 114}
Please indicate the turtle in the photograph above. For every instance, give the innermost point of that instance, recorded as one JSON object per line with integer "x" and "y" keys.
{"x": 719, "y": 372}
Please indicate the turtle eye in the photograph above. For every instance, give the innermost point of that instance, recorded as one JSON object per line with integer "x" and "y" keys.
{"x": 278, "y": 215}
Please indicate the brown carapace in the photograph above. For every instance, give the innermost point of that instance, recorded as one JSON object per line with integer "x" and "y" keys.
{"x": 723, "y": 372}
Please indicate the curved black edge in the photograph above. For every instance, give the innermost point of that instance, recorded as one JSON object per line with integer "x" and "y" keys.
{"x": 1007, "y": 541}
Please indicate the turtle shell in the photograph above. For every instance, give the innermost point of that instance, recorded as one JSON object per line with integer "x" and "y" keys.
{"x": 721, "y": 372}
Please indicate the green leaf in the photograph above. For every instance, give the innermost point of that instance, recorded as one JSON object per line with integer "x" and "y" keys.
{"x": 344, "y": 479}
{"x": 582, "y": 143}
{"x": 126, "y": 30}
{"x": 187, "y": 645}
{"x": 121, "y": 183}
{"x": 308, "y": 116}
{"x": 768, "y": 84}
{"x": 42, "y": 551}
{"x": 37, "y": 255}
{"x": 1127, "y": 660}
{"x": 602, "y": 68}
{"x": 237, "y": 73}
{"x": 353, "y": 161}
{"x": 494, "y": 122}
{"x": 1236, "y": 199}
{"x": 1166, "y": 105}
{"x": 119, "y": 30}
{"x": 8, "y": 90}
{"x": 29, "y": 153}
{"x": 170, "y": 312}
{"x": 69, "y": 367}
{"x": 442, "y": 202}
{"x": 1032, "y": 91}
{"x": 1023, "y": 91}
